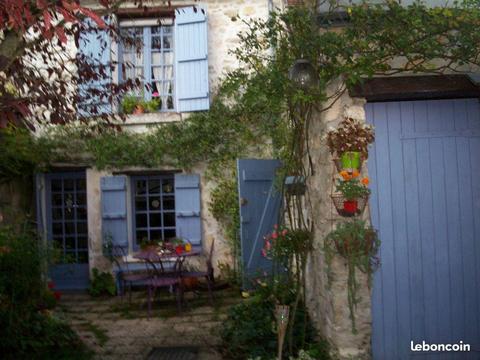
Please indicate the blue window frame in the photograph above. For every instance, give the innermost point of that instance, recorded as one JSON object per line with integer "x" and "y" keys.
{"x": 153, "y": 208}
{"x": 153, "y": 63}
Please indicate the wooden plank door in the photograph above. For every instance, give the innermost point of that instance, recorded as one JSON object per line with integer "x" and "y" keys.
{"x": 425, "y": 167}
{"x": 260, "y": 202}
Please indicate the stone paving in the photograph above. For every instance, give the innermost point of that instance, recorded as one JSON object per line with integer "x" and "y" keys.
{"x": 113, "y": 329}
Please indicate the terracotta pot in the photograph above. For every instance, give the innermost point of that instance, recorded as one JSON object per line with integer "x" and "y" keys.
{"x": 350, "y": 206}
{"x": 138, "y": 110}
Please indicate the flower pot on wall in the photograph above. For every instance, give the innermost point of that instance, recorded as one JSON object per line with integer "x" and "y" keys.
{"x": 347, "y": 207}
{"x": 351, "y": 160}
{"x": 138, "y": 110}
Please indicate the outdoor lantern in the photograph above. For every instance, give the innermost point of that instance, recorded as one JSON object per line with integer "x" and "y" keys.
{"x": 303, "y": 74}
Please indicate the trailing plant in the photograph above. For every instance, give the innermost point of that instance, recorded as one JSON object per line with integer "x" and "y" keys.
{"x": 350, "y": 135}
{"x": 129, "y": 102}
{"x": 358, "y": 244}
{"x": 102, "y": 284}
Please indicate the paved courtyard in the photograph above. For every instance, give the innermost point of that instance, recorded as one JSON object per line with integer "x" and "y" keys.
{"x": 113, "y": 329}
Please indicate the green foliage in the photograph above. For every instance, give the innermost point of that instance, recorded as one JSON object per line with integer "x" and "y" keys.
{"x": 352, "y": 189}
{"x": 250, "y": 330}
{"x": 24, "y": 299}
{"x": 129, "y": 102}
{"x": 153, "y": 105}
{"x": 358, "y": 244}
{"x": 102, "y": 284}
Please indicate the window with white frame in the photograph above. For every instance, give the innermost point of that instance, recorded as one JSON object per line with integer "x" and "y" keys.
{"x": 149, "y": 56}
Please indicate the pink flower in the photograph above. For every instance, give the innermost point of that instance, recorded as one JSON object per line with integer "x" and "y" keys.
{"x": 274, "y": 235}
{"x": 284, "y": 232}
{"x": 268, "y": 245}
{"x": 155, "y": 94}
{"x": 275, "y": 226}
{"x": 264, "y": 253}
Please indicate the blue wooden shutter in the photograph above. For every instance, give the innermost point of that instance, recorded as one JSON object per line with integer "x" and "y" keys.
{"x": 96, "y": 46}
{"x": 191, "y": 64}
{"x": 114, "y": 209}
{"x": 187, "y": 207}
{"x": 260, "y": 203}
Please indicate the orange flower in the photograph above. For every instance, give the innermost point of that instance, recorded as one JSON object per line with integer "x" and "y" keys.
{"x": 365, "y": 181}
{"x": 355, "y": 173}
{"x": 345, "y": 175}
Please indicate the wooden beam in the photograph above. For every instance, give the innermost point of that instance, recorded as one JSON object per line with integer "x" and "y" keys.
{"x": 145, "y": 11}
{"x": 416, "y": 88}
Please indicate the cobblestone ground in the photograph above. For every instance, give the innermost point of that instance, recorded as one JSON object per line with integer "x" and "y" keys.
{"x": 115, "y": 329}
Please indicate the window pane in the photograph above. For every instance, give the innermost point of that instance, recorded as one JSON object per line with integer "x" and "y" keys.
{"x": 156, "y": 235}
{"x": 82, "y": 242}
{"x": 168, "y": 58}
{"x": 142, "y": 236}
{"x": 70, "y": 243}
{"x": 82, "y": 199}
{"x": 156, "y": 61}
{"x": 141, "y": 220}
{"x": 167, "y": 42}
{"x": 57, "y": 229}
{"x": 68, "y": 184}
{"x": 140, "y": 203}
{"x": 58, "y": 243}
{"x": 167, "y": 186}
{"x": 57, "y": 213}
{"x": 81, "y": 185}
{"x": 82, "y": 213}
{"x": 169, "y": 234}
{"x": 69, "y": 228}
{"x": 168, "y": 203}
{"x": 82, "y": 257}
{"x": 82, "y": 228}
{"x": 57, "y": 200}
{"x": 169, "y": 219}
{"x": 141, "y": 186}
{"x": 156, "y": 43}
{"x": 154, "y": 186}
{"x": 56, "y": 185}
{"x": 156, "y": 220}
{"x": 155, "y": 203}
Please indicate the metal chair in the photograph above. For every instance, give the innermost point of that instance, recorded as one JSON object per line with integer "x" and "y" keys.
{"x": 160, "y": 278}
{"x": 125, "y": 275}
{"x": 208, "y": 274}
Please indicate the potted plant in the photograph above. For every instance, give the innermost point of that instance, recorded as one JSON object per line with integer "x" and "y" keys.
{"x": 349, "y": 142}
{"x": 351, "y": 191}
{"x": 129, "y": 103}
{"x": 358, "y": 244}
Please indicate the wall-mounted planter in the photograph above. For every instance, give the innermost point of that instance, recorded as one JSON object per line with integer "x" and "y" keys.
{"x": 349, "y": 207}
{"x": 350, "y": 160}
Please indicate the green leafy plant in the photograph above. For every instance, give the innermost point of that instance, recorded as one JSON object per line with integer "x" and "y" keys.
{"x": 352, "y": 189}
{"x": 153, "y": 105}
{"x": 350, "y": 135}
{"x": 129, "y": 102}
{"x": 102, "y": 284}
{"x": 358, "y": 244}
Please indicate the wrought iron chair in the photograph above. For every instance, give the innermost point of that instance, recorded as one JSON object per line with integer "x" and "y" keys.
{"x": 161, "y": 278}
{"x": 125, "y": 275}
{"x": 208, "y": 274}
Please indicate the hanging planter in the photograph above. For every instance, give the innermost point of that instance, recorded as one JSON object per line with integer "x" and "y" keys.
{"x": 349, "y": 207}
{"x": 347, "y": 165}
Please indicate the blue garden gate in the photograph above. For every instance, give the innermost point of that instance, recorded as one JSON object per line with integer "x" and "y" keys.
{"x": 260, "y": 201}
{"x": 425, "y": 170}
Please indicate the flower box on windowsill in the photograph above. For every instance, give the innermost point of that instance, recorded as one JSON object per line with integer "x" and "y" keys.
{"x": 348, "y": 208}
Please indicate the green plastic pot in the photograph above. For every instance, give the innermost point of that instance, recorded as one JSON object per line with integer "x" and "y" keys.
{"x": 350, "y": 160}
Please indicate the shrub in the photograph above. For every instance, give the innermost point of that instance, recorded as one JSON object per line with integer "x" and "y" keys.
{"x": 102, "y": 284}
{"x": 250, "y": 331}
{"x": 32, "y": 332}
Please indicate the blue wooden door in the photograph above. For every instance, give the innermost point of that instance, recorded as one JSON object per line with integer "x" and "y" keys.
{"x": 425, "y": 170}
{"x": 260, "y": 202}
{"x": 67, "y": 229}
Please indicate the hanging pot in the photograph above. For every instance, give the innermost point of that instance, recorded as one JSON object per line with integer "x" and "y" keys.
{"x": 350, "y": 206}
{"x": 351, "y": 160}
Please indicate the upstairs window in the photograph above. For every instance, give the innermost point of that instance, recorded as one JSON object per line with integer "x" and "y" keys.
{"x": 150, "y": 59}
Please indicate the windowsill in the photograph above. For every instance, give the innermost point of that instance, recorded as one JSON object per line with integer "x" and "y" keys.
{"x": 152, "y": 118}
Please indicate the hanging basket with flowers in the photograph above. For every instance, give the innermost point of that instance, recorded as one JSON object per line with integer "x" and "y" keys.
{"x": 348, "y": 143}
{"x": 352, "y": 194}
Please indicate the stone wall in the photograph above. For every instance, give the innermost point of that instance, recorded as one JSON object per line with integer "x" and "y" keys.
{"x": 328, "y": 304}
